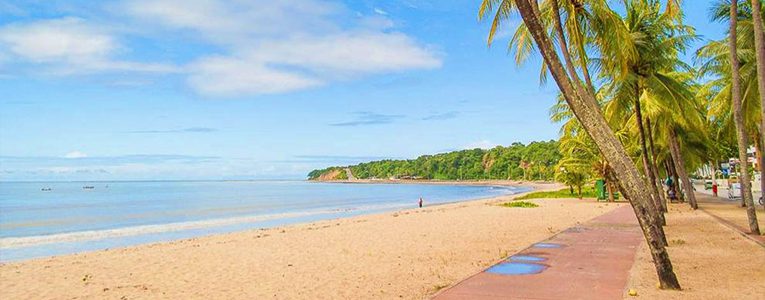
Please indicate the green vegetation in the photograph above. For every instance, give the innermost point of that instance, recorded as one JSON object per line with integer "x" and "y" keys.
{"x": 629, "y": 104}
{"x": 332, "y": 173}
{"x": 524, "y": 204}
{"x": 587, "y": 192}
{"x": 535, "y": 161}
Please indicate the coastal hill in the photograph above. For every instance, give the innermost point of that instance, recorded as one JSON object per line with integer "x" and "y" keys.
{"x": 535, "y": 161}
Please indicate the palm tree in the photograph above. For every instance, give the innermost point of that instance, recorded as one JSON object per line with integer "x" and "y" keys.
{"x": 578, "y": 149}
{"x": 743, "y": 144}
{"x": 654, "y": 39}
{"x": 584, "y": 105}
{"x": 759, "y": 46}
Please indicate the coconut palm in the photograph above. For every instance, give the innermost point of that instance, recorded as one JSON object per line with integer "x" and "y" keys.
{"x": 738, "y": 117}
{"x": 584, "y": 105}
{"x": 733, "y": 93}
{"x": 654, "y": 38}
{"x": 759, "y": 46}
{"x": 577, "y": 148}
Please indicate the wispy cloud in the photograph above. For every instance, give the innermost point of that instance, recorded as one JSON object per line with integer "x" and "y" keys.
{"x": 147, "y": 167}
{"x": 184, "y": 130}
{"x": 77, "y": 157}
{"x": 262, "y": 46}
{"x": 75, "y": 154}
{"x": 69, "y": 45}
{"x": 482, "y": 144}
{"x": 337, "y": 158}
{"x": 441, "y": 116}
{"x": 369, "y": 118}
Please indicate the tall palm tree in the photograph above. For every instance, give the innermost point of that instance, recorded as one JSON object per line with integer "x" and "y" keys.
{"x": 584, "y": 105}
{"x": 743, "y": 144}
{"x": 654, "y": 38}
{"x": 759, "y": 46}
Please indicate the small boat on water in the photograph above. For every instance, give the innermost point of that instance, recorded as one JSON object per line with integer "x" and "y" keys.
{"x": 88, "y": 187}
{"x": 46, "y": 189}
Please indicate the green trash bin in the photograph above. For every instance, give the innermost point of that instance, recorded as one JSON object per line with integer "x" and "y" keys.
{"x": 600, "y": 189}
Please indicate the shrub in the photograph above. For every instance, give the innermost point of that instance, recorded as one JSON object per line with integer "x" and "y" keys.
{"x": 524, "y": 204}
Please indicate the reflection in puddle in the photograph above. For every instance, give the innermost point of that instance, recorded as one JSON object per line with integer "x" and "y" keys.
{"x": 516, "y": 268}
{"x": 547, "y": 245}
{"x": 526, "y": 258}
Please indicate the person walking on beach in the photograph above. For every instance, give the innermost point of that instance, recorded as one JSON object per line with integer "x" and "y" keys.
{"x": 420, "y": 202}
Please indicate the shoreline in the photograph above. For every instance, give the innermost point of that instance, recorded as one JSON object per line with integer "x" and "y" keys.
{"x": 16, "y": 244}
{"x": 409, "y": 254}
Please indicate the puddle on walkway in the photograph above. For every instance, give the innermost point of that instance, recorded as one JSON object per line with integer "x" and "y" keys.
{"x": 526, "y": 258}
{"x": 547, "y": 245}
{"x": 516, "y": 268}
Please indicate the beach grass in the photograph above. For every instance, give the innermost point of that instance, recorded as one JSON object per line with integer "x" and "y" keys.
{"x": 587, "y": 192}
{"x": 524, "y": 204}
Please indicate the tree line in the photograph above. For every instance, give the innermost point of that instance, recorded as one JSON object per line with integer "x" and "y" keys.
{"x": 535, "y": 161}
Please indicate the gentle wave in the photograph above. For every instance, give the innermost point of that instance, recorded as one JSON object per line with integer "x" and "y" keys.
{"x": 92, "y": 235}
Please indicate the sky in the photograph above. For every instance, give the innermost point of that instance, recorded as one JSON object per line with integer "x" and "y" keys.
{"x": 205, "y": 89}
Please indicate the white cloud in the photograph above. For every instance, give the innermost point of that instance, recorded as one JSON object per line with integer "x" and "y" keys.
{"x": 295, "y": 63}
{"x": 237, "y": 21}
{"x": 66, "y": 46}
{"x": 75, "y": 154}
{"x": 482, "y": 144}
{"x": 282, "y": 46}
{"x": 229, "y": 76}
{"x": 61, "y": 39}
{"x": 260, "y": 46}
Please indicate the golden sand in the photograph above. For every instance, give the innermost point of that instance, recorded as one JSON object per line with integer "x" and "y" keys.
{"x": 408, "y": 254}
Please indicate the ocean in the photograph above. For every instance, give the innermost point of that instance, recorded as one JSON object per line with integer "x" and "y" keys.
{"x": 39, "y": 219}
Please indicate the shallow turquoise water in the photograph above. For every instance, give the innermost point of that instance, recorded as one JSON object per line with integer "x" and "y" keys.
{"x": 69, "y": 218}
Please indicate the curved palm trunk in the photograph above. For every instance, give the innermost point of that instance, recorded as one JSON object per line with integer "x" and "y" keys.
{"x": 579, "y": 47}
{"x": 611, "y": 177}
{"x": 680, "y": 165}
{"x": 646, "y": 164}
{"x": 609, "y": 183}
{"x": 587, "y": 112}
{"x": 762, "y": 164}
{"x": 562, "y": 41}
{"x": 743, "y": 144}
{"x": 759, "y": 46}
{"x": 610, "y": 189}
{"x": 654, "y": 168}
{"x": 672, "y": 172}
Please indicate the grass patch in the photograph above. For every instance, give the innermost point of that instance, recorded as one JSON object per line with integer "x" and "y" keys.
{"x": 588, "y": 191}
{"x": 525, "y": 204}
{"x": 677, "y": 242}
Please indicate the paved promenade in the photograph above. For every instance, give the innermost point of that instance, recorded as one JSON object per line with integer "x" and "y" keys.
{"x": 589, "y": 261}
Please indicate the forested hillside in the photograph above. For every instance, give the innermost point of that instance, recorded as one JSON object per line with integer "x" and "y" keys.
{"x": 535, "y": 161}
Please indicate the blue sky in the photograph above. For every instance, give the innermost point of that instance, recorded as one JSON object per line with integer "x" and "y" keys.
{"x": 170, "y": 89}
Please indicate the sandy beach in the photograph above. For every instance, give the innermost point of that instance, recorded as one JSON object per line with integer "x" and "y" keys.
{"x": 711, "y": 260}
{"x": 408, "y": 254}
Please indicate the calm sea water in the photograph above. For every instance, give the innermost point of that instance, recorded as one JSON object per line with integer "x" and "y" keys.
{"x": 68, "y": 218}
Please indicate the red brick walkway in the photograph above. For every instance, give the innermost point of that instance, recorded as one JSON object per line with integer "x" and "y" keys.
{"x": 592, "y": 262}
